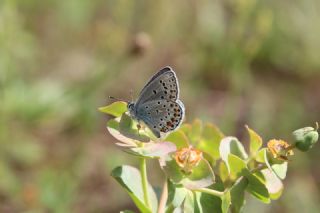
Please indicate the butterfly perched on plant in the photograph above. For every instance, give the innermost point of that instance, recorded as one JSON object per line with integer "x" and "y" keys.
{"x": 158, "y": 106}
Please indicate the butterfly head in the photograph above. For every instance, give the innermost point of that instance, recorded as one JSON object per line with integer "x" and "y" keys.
{"x": 131, "y": 108}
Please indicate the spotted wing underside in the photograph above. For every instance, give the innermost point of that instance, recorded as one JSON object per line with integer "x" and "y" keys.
{"x": 162, "y": 116}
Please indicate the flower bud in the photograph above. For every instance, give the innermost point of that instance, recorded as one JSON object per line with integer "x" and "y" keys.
{"x": 279, "y": 149}
{"x": 188, "y": 158}
{"x": 305, "y": 138}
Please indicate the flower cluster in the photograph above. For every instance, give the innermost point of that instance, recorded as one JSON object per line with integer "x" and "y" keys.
{"x": 191, "y": 159}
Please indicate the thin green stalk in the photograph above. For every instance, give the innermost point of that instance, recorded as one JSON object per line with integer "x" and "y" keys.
{"x": 164, "y": 197}
{"x": 144, "y": 181}
{"x": 210, "y": 191}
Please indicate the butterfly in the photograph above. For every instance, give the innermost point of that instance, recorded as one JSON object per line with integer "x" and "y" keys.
{"x": 158, "y": 106}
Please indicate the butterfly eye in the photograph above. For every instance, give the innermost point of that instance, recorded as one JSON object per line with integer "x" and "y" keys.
{"x": 130, "y": 105}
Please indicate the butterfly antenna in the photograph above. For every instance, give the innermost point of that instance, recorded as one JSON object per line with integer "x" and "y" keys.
{"x": 131, "y": 94}
{"x": 117, "y": 99}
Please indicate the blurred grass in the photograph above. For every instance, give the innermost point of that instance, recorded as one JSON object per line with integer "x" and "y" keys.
{"x": 239, "y": 62}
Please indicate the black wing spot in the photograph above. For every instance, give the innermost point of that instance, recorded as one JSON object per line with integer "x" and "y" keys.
{"x": 165, "y": 92}
{"x": 162, "y": 97}
{"x": 159, "y": 102}
{"x": 154, "y": 92}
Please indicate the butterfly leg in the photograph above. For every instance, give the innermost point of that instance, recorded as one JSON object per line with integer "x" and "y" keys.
{"x": 139, "y": 127}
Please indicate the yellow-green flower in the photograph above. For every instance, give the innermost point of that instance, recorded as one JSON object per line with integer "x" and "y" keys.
{"x": 188, "y": 158}
{"x": 279, "y": 149}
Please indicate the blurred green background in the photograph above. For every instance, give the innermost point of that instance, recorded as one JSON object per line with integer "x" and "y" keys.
{"x": 238, "y": 61}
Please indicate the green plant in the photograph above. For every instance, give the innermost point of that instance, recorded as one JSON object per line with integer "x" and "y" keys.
{"x": 204, "y": 170}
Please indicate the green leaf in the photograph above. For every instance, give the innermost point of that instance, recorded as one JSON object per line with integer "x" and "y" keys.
{"x": 273, "y": 184}
{"x": 278, "y": 167}
{"x": 179, "y": 138}
{"x": 130, "y": 179}
{"x": 255, "y": 141}
{"x": 210, "y": 203}
{"x": 154, "y": 149}
{"x": 226, "y": 202}
{"x": 210, "y": 140}
{"x": 260, "y": 155}
{"x": 113, "y": 128}
{"x": 196, "y": 131}
{"x": 193, "y": 131}
{"x": 223, "y": 171}
{"x": 128, "y": 128}
{"x": 280, "y": 170}
{"x": 237, "y": 166}
{"x": 176, "y": 194}
{"x": 231, "y": 145}
{"x": 201, "y": 175}
{"x": 190, "y": 204}
{"x": 171, "y": 168}
{"x": 115, "y": 109}
{"x": 257, "y": 188}
{"x": 237, "y": 193}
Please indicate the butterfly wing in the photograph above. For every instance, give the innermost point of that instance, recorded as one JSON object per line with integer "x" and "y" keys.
{"x": 163, "y": 85}
{"x": 158, "y": 105}
{"x": 161, "y": 115}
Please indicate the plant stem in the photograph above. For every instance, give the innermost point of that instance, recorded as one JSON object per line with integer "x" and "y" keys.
{"x": 144, "y": 179}
{"x": 210, "y": 191}
{"x": 164, "y": 197}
